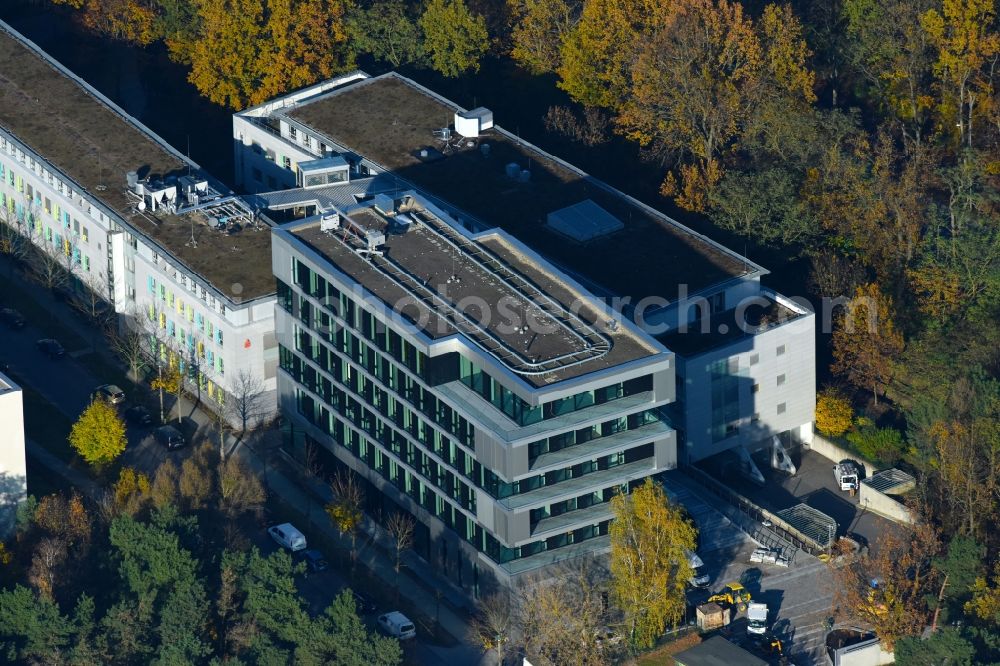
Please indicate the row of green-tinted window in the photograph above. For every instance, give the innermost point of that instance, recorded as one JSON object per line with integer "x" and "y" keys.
{"x": 339, "y": 304}
{"x": 602, "y": 496}
{"x": 388, "y": 373}
{"x": 408, "y": 482}
{"x": 524, "y": 414}
{"x": 583, "y": 435}
{"x": 501, "y": 489}
{"x": 425, "y": 495}
{"x": 388, "y": 406}
{"x": 333, "y": 424}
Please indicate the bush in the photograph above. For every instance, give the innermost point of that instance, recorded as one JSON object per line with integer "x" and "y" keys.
{"x": 883, "y": 445}
{"x": 833, "y": 413}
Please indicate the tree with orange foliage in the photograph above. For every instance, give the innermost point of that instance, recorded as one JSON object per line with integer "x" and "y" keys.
{"x": 698, "y": 80}
{"x": 866, "y": 343}
{"x": 252, "y": 50}
{"x": 887, "y": 587}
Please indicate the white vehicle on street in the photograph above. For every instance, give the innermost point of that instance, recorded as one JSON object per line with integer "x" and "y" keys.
{"x": 397, "y": 625}
{"x": 288, "y": 537}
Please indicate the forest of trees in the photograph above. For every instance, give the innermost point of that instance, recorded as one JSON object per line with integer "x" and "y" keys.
{"x": 859, "y": 136}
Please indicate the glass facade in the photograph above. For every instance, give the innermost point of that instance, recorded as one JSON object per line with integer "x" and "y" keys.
{"x": 524, "y": 414}
{"x": 369, "y": 390}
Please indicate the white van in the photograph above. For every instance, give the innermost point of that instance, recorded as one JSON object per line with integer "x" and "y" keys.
{"x": 288, "y": 537}
{"x": 397, "y": 625}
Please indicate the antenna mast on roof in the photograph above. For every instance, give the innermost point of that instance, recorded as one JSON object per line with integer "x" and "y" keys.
{"x": 191, "y": 241}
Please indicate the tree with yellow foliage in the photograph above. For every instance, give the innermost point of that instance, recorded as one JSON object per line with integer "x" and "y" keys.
{"x": 168, "y": 380}
{"x": 963, "y": 33}
{"x": 130, "y": 491}
{"x": 834, "y": 414}
{"x": 455, "y": 39}
{"x": 345, "y": 509}
{"x": 650, "y": 539}
{"x": 539, "y": 28}
{"x": 99, "y": 434}
{"x": 597, "y": 56}
{"x": 866, "y": 343}
{"x": 252, "y": 50}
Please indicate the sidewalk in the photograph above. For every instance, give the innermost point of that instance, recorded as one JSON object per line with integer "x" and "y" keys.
{"x": 417, "y": 583}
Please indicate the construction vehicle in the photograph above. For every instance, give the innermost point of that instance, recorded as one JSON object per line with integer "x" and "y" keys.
{"x": 757, "y": 618}
{"x": 846, "y": 474}
{"x": 733, "y": 594}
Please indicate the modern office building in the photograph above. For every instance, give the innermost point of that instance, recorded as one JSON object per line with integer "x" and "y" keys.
{"x": 132, "y": 219}
{"x": 13, "y": 467}
{"x": 422, "y": 225}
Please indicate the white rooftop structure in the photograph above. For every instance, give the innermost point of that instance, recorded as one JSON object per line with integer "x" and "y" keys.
{"x": 583, "y": 221}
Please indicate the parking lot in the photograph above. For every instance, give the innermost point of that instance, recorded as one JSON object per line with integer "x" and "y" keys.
{"x": 813, "y": 484}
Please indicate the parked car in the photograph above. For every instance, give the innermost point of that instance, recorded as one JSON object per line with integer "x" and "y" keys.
{"x": 12, "y": 318}
{"x": 170, "y": 437}
{"x": 365, "y": 604}
{"x": 288, "y": 537}
{"x": 139, "y": 415}
{"x": 50, "y": 348}
{"x": 397, "y": 625}
{"x": 314, "y": 559}
{"x": 109, "y": 393}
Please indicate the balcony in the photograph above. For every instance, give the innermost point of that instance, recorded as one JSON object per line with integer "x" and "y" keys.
{"x": 580, "y": 485}
{"x": 593, "y": 546}
{"x": 471, "y": 405}
{"x": 599, "y": 447}
{"x": 570, "y": 520}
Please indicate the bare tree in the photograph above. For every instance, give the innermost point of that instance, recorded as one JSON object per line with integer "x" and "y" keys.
{"x": 94, "y": 301}
{"x": 14, "y": 241}
{"x": 133, "y": 344}
{"x": 563, "y": 618}
{"x": 493, "y": 624}
{"x": 400, "y": 527}
{"x": 346, "y": 508}
{"x": 47, "y": 268}
{"x": 245, "y": 393}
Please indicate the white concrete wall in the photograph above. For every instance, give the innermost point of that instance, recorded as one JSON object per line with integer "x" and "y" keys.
{"x": 13, "y": 468}
{"x": 835, "y": 453}
{"x": 884, "y": 505}
{"x": 247, "y": 342}
{"x": 758, "y": 411}
{"x": 89, "y": 229}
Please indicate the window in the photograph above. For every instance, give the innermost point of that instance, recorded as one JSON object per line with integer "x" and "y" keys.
{"x": 754, "y": 359}
{"x": 781, "y": 380}
{"x": 86, "y": 235}
{"x": 781, "y": 407}
{"x": 756, "y": 387}
{"x": 287, "y": 162}
{"x": 258, "y": 176}
{"x": 86, "y": 263}
{"x": 292, "y": 132}
{"x": 780, "y": 351}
